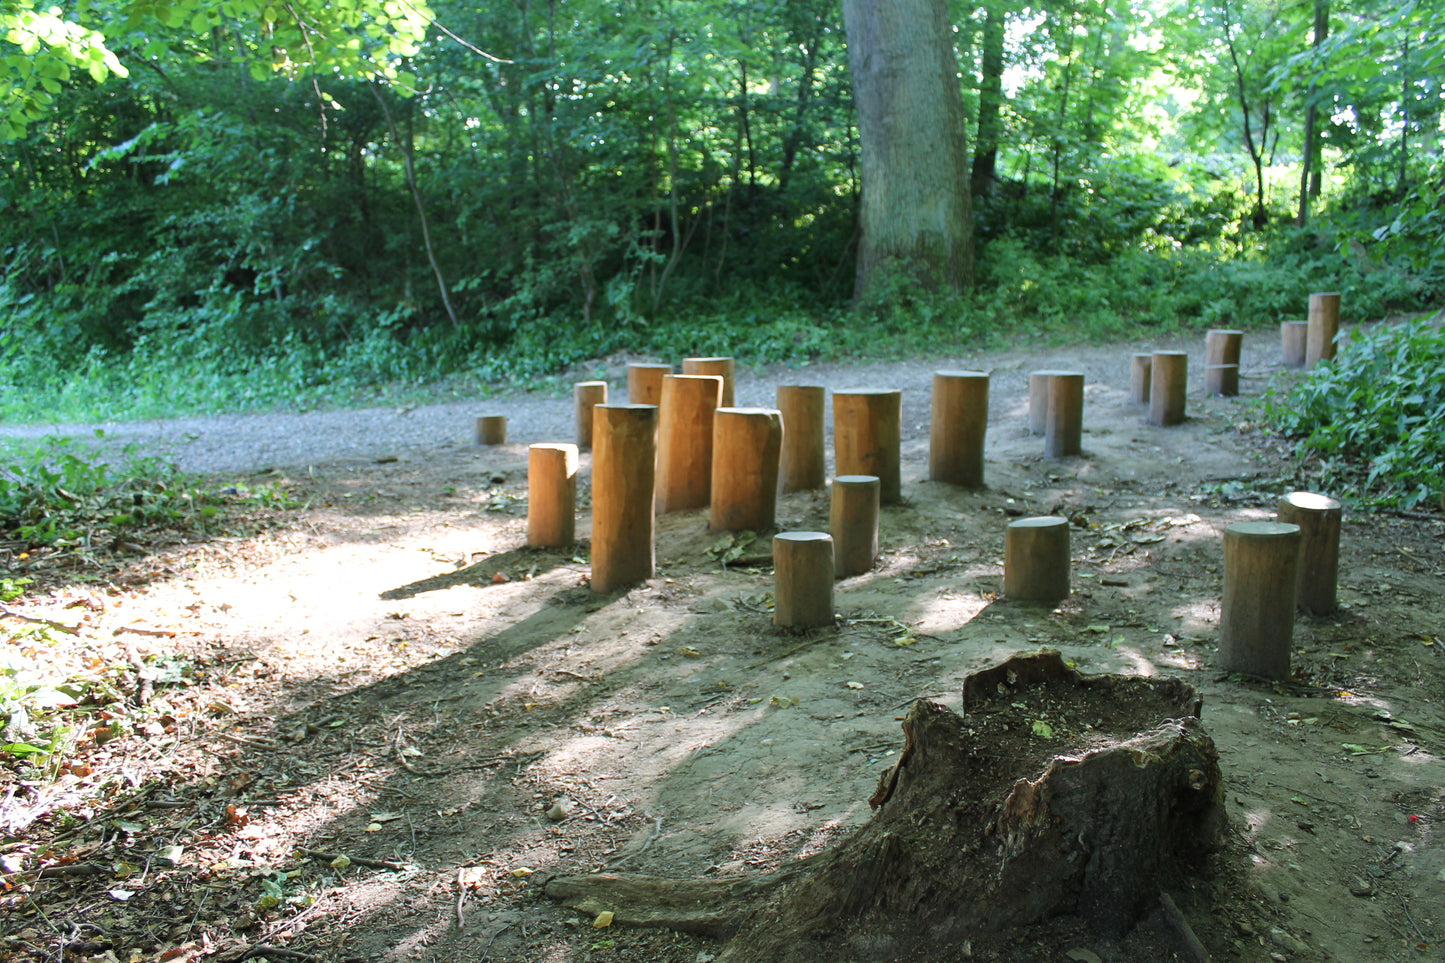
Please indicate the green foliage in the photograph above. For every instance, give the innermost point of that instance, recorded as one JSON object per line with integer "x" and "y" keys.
{"x": 65, "y": 505}
{"x": 1367, "y": 423}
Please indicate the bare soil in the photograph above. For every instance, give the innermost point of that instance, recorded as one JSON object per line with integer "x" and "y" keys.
{"x": 391, "y": 677}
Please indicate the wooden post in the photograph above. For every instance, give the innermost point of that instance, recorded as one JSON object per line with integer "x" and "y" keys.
{"x": 722, "y": 367}
{"x": 551, "y": 495}
{"x": 803, "y": 580}
{"x": 1039, "y": 401}
{"x": 1222, "y": 346}
{"x": 587, "y": 395}
{"x": 1256, "y": 615}
{"x": 957, "y": 428}
{"x": 623, "y": 542}
{"x": 492, "y": 430}
{"x": 746, "y": 443}
{"x": 644, "y": 383}
{"x": 1036, "y": 559}
{"x": 1064, "y": 417}
{"x": 1318, "y": 518}
{"x": 1169, "y": 376}
{"x": 1324, "y": 324}
{"x": 1222, "y": 380}
{"x": 867, "y": 437}
{"x": 684, "y": 441}
{"x": 853, "y": 523}
{"x": 1294, "y": 339}
{"x": 1139, "y": 379}
{"x": 802, "y": 466}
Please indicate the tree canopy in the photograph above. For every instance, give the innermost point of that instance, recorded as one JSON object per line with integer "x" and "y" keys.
{"x": 374, "y": 189}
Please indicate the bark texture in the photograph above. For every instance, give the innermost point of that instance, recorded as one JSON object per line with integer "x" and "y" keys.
{"x": 986, "y": 823}
{"x": 916, "y": 219}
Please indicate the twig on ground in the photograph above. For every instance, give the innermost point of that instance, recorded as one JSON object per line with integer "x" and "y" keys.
{"x": 144, "y": 687}
{"x": 461, "y": 898}
{"x": 487, "y": 952}
{"x": 358, "y": 860}
{"x": 154, "y": 633}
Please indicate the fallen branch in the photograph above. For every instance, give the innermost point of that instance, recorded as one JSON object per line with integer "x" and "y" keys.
{"x": 266, "y": 949}
{"x": 7, "y": 611}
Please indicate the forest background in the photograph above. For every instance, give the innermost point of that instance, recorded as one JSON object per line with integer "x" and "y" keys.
{"x": 243, "y": 204}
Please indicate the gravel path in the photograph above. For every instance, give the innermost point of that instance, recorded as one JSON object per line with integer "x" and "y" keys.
{"x": 240, "y": 443}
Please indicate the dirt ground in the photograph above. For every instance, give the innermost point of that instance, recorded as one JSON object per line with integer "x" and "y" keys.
{"x": 392, "y": 678}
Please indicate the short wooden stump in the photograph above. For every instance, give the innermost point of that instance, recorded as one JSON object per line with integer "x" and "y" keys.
{"x": 1294, "y": 342}
{"x": 802, "y": 465}
{"x": 644, "y": 383}
{"x": 867, "y": 437}
{"x": 551, "y": 495}
{"x": 1319, "y": 518}
{"x": 1039, "y": 398}
{"x": 1256, "y": 615}
{"x": 1036, "y": 559}
{"x": 957, "y": 427}
{"x": 803, "y": 580}
{"x": 492, "y": 430}
{"x": 1324, "y": 326}
{"x": 853, "y": 522}
{"x": 722, "y": 368}
{"x": 1064, "y": 415}
{"x": 1139, "y": 371}
{"x": 587, "y": 395}
{"x": 684, "y": 441}
{"x": 1169, "y": 377}
{"x": 745, "y": 447}
{"x": 624, "y": 546}
{"x": 1221, "y": 380}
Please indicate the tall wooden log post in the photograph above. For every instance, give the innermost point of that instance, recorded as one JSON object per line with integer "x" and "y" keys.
{"x": 1294, "y": 339}
{"x": 802, "y": 465}
{"x": 803, "y": 572}
{"x": 853, "y": 522}
{"x": 684, "y": 441}
{"x": 1064, "y": 415}
{"x": 722, "y": 367}
{"x": 1324, "y": 325}
{"x": 551, "y": 495}
{"x": 1169, "y": 377}
{"x": 623, "y": 531}
{"x": 1318, "y": 518}
{"x": 1222, "y": 349}
{"x": 1036, "y": 559}
{"x": 957, "y": 428}
{"x": 1256, "y": 615}
{"x": 492, "y": 430}
{"x": 644, "y": 383}
{"x": 1139, "y": 372}
{"x": 868, "y": 436}
{"x": 587, "y": 395}
{"x": 745, "y": 448}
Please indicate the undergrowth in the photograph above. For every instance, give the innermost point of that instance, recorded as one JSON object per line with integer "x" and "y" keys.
{"x": 1366, "y": 424}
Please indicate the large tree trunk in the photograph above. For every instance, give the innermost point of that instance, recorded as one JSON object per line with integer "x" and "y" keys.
{"x": 1053, "y": 793}
{"x": 916, "y": 216}
{"x": 990, "y": 101}
{"x": 1309, "y": 178}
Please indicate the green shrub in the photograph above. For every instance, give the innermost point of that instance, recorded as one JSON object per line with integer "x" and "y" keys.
{"x": 1367, "y": 423}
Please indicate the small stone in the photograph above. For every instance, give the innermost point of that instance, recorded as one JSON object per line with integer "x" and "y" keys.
{"x": 1359, "y": 886}
{"x": 561, "y": 809}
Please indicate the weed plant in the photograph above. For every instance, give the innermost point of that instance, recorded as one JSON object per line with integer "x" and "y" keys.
{"x": 1366, "y": 424}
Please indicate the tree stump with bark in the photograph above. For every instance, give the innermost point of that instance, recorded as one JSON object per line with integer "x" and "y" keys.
{"x": 1053, "y": 793}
